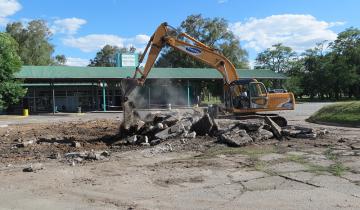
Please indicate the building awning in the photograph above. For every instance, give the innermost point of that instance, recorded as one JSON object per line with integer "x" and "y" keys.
{"x": 70, "y": 73}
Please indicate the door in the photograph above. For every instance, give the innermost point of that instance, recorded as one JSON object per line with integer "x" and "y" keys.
{"x": 258, "y": 95}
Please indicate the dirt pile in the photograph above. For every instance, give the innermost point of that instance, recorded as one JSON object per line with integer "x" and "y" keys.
{"x": 25, "y": 143}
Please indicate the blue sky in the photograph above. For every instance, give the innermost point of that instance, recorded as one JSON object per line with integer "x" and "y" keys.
{"x": 82, "y": 27}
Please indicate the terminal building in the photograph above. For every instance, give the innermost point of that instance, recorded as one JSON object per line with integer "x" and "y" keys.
{"x": 66, "y": 88}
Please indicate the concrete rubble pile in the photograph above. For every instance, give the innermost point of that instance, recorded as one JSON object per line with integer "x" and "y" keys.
{"x": 158, "y": 127}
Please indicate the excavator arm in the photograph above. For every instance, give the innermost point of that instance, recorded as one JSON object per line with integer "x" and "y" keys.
{"x": 258, "y": 99}
{"x": 166, "y": 35}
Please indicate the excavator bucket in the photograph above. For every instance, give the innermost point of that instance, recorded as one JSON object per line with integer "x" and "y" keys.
{"x": 130, "y": 115}
{"x": 127, "y": 86}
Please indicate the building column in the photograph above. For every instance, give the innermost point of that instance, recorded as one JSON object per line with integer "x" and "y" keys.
{"x": 53, "y": 97}
{"x": 92, "y": 97}
{"x": 149, "y": 98}
{"x": 188, "y": 93}
{"x": 104, "y": 96}
{"x": 34, "y": 99}
{"x": 66, "y": 100}
{"x": 97, "y": 97}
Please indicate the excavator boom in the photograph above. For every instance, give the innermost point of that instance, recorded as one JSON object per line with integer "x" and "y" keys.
{"x": 166, "y": 35}
{"x": 241, "y": 96}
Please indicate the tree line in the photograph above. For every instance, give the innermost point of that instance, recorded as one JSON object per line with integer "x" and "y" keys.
{"x": 330, "y": 70}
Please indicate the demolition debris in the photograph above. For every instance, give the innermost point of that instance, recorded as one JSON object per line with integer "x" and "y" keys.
{"x": 162, "y": 126}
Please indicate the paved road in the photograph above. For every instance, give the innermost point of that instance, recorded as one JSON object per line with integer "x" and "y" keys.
{"x": 59, "y": 117}
{"x": 301, "y": 112}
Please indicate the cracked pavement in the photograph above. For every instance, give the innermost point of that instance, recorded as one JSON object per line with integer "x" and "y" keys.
{"x": 293, "y": 174}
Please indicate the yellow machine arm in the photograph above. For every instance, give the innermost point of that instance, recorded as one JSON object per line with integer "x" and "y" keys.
{"x": 258, "y": 98}
{"x": 166, "y": 35}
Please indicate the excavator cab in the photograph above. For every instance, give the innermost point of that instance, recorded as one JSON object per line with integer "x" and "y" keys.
{"x": 247, "y": 95}
{"x": 258, "y": 95}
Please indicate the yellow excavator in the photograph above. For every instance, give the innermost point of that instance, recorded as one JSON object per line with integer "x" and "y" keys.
{"x": 242, "y": 96}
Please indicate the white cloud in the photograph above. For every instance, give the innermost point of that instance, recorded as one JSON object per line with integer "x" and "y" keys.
{"x": 94, "y": 42}
{"x": 8, "y": 8}
{"x": 222, "y": 1}
{"x": 67, "y": 25}
{"x": 297, "y": 31}
{"x": 71, "y": 61}
{"x": 142, "y": 39}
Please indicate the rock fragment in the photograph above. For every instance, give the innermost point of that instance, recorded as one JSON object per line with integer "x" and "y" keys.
{"x": 34, "y": 167}
{"x": 355, "y": 146}
{"x": 76, "y": 144}
{"x": 191, "y": 135}
{"x": 236, "y": 137}
{"x": 26, "y": 143}
{"x": 203, "y": 126}
{"x": 275, "y": 128}
{"x": 251, "y": 124}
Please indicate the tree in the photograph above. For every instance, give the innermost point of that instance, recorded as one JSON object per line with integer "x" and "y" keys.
{"x": 34, "y": 46}
{"x": 105, "y": 57}
{"x": 346, "y": 60}
{"x": 10, "y": 90}
{"x": 279, "y": 58}
{"x": 212, "y": 32}
{"x": 60, "y": 60}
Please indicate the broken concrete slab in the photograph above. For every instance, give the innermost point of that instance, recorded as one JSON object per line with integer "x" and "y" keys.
{"x": 306, "y": 135}
{"x": 177, "y": 128}
{"x": 165, "y": 134}
{"x": 172, "y": 120}
{"x": 236, "y": 138}
{"x": 251, "y": 124}
{"x": 223, "y": 125}
{"x": 203, "y": 126}
{"x": 302, "y": 132}
{"x": 130, "y": 115}
{"x": 355, "y": 146}
{"x": 261, "y": 135}
{"x": 274, "y": 128}
{"x": 75, "y": 154}
{"x": 160, "y": 117}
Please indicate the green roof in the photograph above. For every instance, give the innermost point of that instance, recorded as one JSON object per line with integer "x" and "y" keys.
{"x": 97, "y": 73}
